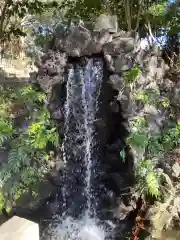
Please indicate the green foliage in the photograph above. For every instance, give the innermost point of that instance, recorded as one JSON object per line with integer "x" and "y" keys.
{"x": 14, "y": 12}
{"x": 158, "y": 9}
{"x": 147, "y": 96}
{"x": 6, "y": 131}
{"x": 149, "y": 178}
{"x": 2, "y": 199}
{"x": 152, "y": 147}
{"x": 138, "y": 138}
{"x": 29, "y": 145}
{"x": 132, "y": 75}
{"x": 166, "y": 212}
{"x": 88, "y": 10}
{"x": 39, "y": 135}
{"x": 170, "y": 137}
{"x": 165, "y": 102}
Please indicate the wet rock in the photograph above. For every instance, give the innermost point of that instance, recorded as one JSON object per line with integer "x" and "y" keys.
{"x": 56, "y": 112}
{"x": 59, "y": 164}
{"x": 118, "y": 144}
{"x": 114, "y": 107}
{"x": 109, "y": 62}
{"x": 106, "y": 22}
{"x": 100, "y": 123}
{"x": 122, "y": 211}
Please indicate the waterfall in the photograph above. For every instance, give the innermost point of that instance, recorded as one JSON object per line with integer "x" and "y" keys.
{"x": 79, "y": 220}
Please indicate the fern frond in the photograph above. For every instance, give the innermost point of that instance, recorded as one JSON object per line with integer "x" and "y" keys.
{"x": 17, "y": 158}
{"x": 6, "y": 130}
{"x": 153, "y": 185}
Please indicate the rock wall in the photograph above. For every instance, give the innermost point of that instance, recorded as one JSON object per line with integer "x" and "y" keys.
{"x": 118, "y": 49}
{"x": 122, "y": 103}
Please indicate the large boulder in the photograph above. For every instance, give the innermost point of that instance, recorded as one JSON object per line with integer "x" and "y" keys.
{"x": 77, "y": 41}
{"x": 106, "y": 22}
{"x": 119, "y": 45}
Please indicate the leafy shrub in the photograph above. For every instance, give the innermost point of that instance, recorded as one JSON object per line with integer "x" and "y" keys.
{"x": 28, "y": 156}
{"x": 132, "y": 75}
{"x": 6, "y": 131}
{"x": 149, "y": 96}
{"x": 149, "y": 178}
{"x": 151, "y": 147}
{"x": 166, "y": 211}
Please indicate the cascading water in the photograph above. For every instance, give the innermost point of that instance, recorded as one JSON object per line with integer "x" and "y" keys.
{"x": 79, "y": 220}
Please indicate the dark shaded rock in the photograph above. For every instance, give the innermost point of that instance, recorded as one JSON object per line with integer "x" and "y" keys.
{"x": 3, "y": 156}
{"x": 116, "y": 81}
{"x": 100, "y": 123}
{"x": 106, "y": 22}
{"x": 56, "y": 112}
{"x": 114, "y": 107}
{"x": 122, "y": 211}
{"x": 124, "y": 99}
{"x": 28, "y": 201}
{"x": 116, "y": 146}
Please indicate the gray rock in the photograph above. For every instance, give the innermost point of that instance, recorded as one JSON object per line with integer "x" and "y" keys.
{"x": 97, "y": 42}
{"x": 177, "y": 95}
{"x": 77, "y": 41}
{"x": 57, "y": 113}
{"x": 150, "y": 109}
{"x": 116, "y": 81}
{"x": 154, "y": 118}
{"x": 32, "y": 77}
{"x": 124, "y": 98}
{"x": 51, "y": 71}
{"x": 107, "y": 22}
{"x": 122, "y": 211}
{"x": 122, "y": 63}
{"x": 119, "y": 46}
{"x": 109, "y": 62}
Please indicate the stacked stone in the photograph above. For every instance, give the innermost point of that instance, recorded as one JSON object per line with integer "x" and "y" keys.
{"x": 116, "y": 47}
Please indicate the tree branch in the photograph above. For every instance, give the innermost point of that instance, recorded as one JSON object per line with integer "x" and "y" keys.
{"x": 139, "y": 14}
{"x": 3, "y": 14}
{"x": 128, "y": 14}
